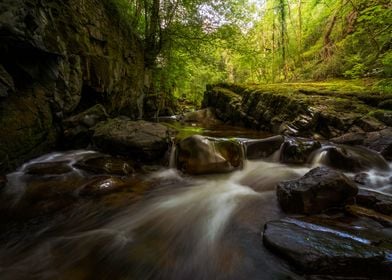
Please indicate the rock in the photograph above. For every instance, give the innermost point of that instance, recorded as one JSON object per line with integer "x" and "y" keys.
{"x": 350, "y": 139}
{"x": 56, "y": 57}
{"x": 319, "y": 189}
{"x": 375, "y": 200}
{"x": 105, "y": 164}
{"x": 380, "y": 141}
{"x": 201, "y": 155}
{"x": 48, "y": 168}
{"x": 297, "y": 150}
{"x": 262, "y": 148}
{"x": 356, "y": 210}
{"x": 77, "y": 133}
{"x": 104, "y": 185}
{"x": 369, "y": 124}
{"x": 384, "y": 116}
{"x": 204, "y": 116}
{"x": 322, "y": 249}
{"x": 139, "y": 140}
{"x": 352, "y": 159}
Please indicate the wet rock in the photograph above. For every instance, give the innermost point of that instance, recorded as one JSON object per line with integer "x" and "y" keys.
{"x": 101, "y": 185}
{"x": 380, "y": 141}
{"x": 105, "y": 164}
{"x": 319, "y": 189}
{"x": 140, "y": 140}
{"x": 262, "y": 148}
{"x": 104, "y": 185}
{"x": 49, "y": 168}
{"x": 375, "y": 200}
{"x": 352, "y": 159}
{"x": 356, "y": 210}
{"x": 298, "y": 150}
{"x": 201, "y": 155}
{"x": 322, "y": 249}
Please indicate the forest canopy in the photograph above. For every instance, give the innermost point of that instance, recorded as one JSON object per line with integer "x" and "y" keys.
{"x": 188, "y": 43}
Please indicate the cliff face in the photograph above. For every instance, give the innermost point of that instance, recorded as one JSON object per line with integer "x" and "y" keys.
{"x": 58, "y": 57}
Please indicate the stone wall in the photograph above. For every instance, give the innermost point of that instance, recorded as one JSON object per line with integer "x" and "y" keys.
{"x": 58, "y": 57}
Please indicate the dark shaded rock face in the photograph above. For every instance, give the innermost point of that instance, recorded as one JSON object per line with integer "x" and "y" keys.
{"x": 202, "y": 155}
{"x": 319, "y": 189}
{"x": 331, "y": 249}
{"x": 77, "y": 131}
{"x": 55, "y": 57}
{"x": 139, "y": 140}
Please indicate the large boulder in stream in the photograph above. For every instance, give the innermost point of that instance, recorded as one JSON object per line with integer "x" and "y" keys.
{"x": 319, "y": 189}
{"x": 201, "y": 155}
{"x": 140, "y": 140}
{"x": 352, "y": 158}
{"x": 322, "y": 247}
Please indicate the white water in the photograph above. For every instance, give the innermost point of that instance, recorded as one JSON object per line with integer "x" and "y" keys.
{"x": 198, "y": 228}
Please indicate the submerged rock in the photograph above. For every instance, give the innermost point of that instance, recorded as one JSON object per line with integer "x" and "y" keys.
{"x": 331, "y": 249}
{"x": 201, "y": 155}
{"x": 262, "y": 148}
{"x": 105, "y": 164}
{"x": 139, "y": 140}
{"x": 49, "y": 168}
{"x": 104, "y": 185}
{"x": 319, "y": 189}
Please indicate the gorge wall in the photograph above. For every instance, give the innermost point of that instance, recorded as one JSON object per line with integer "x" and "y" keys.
{"x": 58, "y": 58}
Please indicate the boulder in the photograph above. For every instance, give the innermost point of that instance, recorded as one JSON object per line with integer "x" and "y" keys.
{"x": 262, "y": 148}
{"x": 327, "y": 248}
{"x": 352, "y": 138}
{"x": 201, "y": 155}
{"x": 139, "y": 140}
{"x": 204, "y": 116}
{"x": 352, "y": 158}
{"x": 105, "y": 165}
{"x": 297, "y": 150}
{"x": 319, "y": 189}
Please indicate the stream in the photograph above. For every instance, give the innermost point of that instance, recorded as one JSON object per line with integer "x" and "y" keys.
{"x": 167, "y": 225}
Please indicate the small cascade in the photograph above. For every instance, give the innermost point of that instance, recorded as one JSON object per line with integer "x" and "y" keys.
{"x": 173, "y": 155}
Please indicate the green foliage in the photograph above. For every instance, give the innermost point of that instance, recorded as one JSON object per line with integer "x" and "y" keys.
{"x": 190, "y": 43}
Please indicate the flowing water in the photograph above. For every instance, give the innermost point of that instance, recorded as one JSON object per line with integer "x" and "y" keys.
{"x": 204, "y": 227}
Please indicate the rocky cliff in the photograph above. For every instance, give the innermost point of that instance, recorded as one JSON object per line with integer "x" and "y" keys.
{"x": 57, "y": 58}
